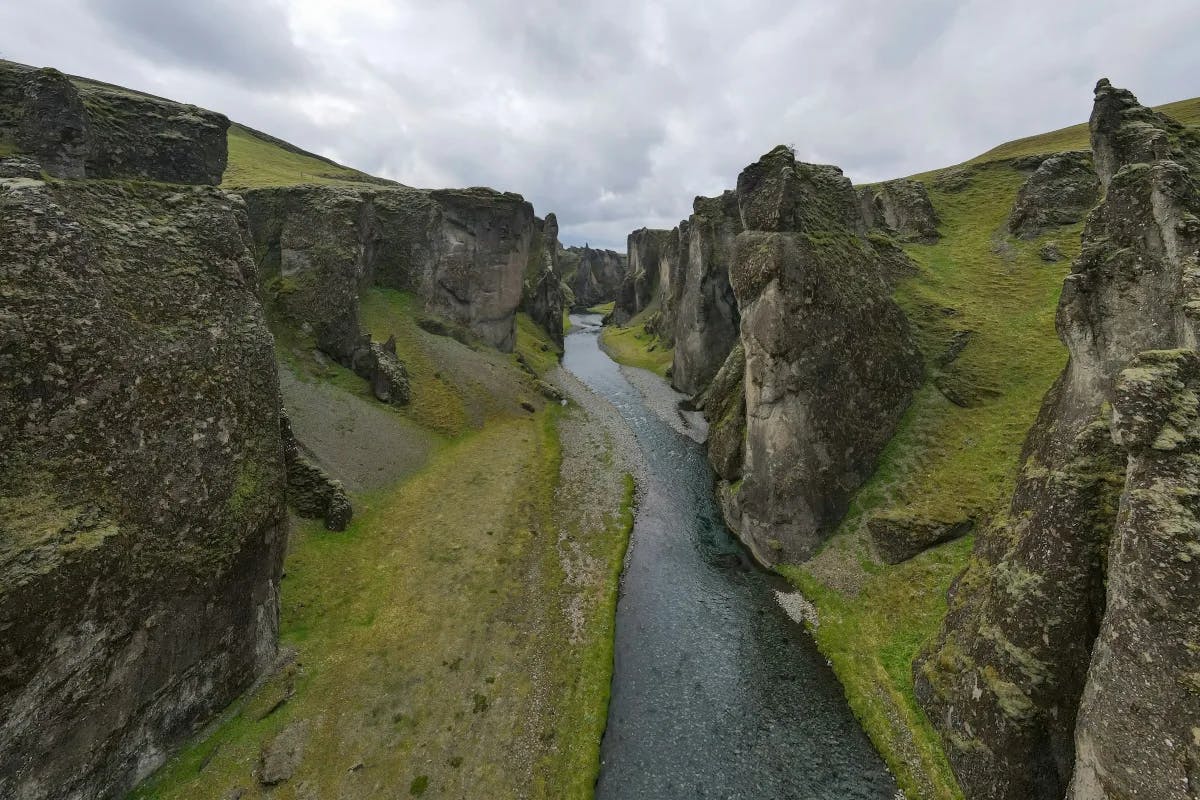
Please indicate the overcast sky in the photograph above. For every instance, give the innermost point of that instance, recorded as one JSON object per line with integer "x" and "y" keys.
{"x": 615, "y": 114}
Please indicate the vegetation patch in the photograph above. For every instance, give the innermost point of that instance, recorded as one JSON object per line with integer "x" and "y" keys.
{"x": 256, "y": 162}
{"x": 430, "y": 644}
{"x": 635, "y": 346}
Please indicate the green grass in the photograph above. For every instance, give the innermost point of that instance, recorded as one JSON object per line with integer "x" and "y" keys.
{"x": 430, "y": 644}
{"x": 634, "y": 346}
{"x": 602, "y": 308}
{"x": 1075, "y": 137}
{"x": 256, "y": 162}
{"x": 534, "y": 345}
{"x": 945, "y": 462}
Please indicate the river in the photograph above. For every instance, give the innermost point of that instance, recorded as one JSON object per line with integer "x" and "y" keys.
{"x": 716, "y": 692}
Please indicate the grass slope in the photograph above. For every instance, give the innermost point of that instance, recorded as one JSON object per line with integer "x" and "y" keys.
{"x": 256, "y": 161}
{"x": 634, "y": 345}
{"x": 1075, "y": 137}
{"x": 447, "y": 643}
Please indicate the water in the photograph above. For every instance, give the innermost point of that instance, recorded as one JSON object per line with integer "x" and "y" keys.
{"x": 716, "y": 692}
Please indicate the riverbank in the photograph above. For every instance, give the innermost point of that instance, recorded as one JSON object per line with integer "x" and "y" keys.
{"x": 456, "y": 639}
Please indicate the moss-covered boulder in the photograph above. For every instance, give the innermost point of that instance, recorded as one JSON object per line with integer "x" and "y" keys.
{"x": 1062, "y": 189}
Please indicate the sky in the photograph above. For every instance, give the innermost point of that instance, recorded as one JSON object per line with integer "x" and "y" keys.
{"x": 616, "y": 114}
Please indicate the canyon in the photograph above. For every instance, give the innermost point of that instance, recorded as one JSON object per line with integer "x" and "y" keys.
{"x": 317, "y": 484}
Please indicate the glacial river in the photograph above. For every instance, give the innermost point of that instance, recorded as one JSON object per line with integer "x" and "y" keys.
{"x": 716, "y": 692}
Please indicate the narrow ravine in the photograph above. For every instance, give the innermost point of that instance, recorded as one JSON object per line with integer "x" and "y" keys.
{"x": 716, "y": 692}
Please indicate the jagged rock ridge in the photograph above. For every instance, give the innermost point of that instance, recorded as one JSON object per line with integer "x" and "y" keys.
{"x": 1063, "y": 666}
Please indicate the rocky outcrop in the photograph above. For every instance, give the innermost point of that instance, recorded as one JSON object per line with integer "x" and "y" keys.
{"x": 645, "y": 249}
{"x": 593, "y": 275}
{"x": 706, "y": 319}
{"x": 310, "y": 491}
{"x": 464, "y": 253}
{"x": 142, "y": 523}
{"x": 902, "y": 207}
{"x": 77, "y": 129}
{"x": 898, "y": 536}
{"x": 544, "y": 299}
{"x": 723, "y": 402}
{"x": 830, "y": 363}
{"x": 1062, "y": 189}
{"x": 1080, "y": 590}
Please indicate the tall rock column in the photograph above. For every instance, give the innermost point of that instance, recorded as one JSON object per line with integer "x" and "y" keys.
{"x": 543, "y": 296}
{"x": 830, "y": 363}
{"x": 706, "y": 324}
{"x": 1003, "y": 682}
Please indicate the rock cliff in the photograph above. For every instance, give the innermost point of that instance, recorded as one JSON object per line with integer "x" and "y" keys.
{"x": 648, "y": 271}
{"x": 78, "y": 129}
{"x": 543, "y": 298}
{"x": 1066, "y": 664}
{"x": 830, "y": 363}
{"x": 142, "y": 525}
{"x": 706, "y": 317}
{"x": 594, "y": 276}
{"x": 463, "y": 252}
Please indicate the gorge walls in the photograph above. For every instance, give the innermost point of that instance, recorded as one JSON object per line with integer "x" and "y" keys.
{"x": 1066, "y": 665}
{"x": 143, "y": 482}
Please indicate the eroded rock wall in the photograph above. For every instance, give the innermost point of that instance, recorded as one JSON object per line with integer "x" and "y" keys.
{"x": 830, "y": 363}
{"x": 544, "y": 299}
{"x": 78, "y": 129}
{"x": 463, "y": 252}
{"x": 706, "y": 320}
{"x": 593, "y": 275}
{"x": 142, "y": 525}
{"x": 1078, "y": 591}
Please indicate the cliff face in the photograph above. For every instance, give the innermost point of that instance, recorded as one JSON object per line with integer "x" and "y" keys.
{"x": 901, "y": 206}
{"x": 1086, "y": 588}
{"x": 544, "y": 299}
{"x": 142, "y": 526}
{"x": 706, "y": 320}
{"x": 463, "y": 252}
{"x": 830, "y": 364}
{"x": 648, "y": 271}
{"x": 593, "y": 275}
{"x": 77, "y": 130}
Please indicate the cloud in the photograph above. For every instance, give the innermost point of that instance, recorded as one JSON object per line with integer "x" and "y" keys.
{"x": 616, "y": 115}
{"x": 244, "y": 41}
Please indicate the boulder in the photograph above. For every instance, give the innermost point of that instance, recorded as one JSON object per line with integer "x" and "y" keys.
{"x": 899, "y": 536}
{"x": 901, "y": 206}
{"x": 1061, "y": 191}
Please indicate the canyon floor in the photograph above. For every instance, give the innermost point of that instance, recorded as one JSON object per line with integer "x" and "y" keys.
{"x": 456, "y": 639}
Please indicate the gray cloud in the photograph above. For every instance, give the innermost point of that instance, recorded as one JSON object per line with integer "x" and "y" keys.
{"x": 236, "y": 40}
{"x": 616, "y": 115}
